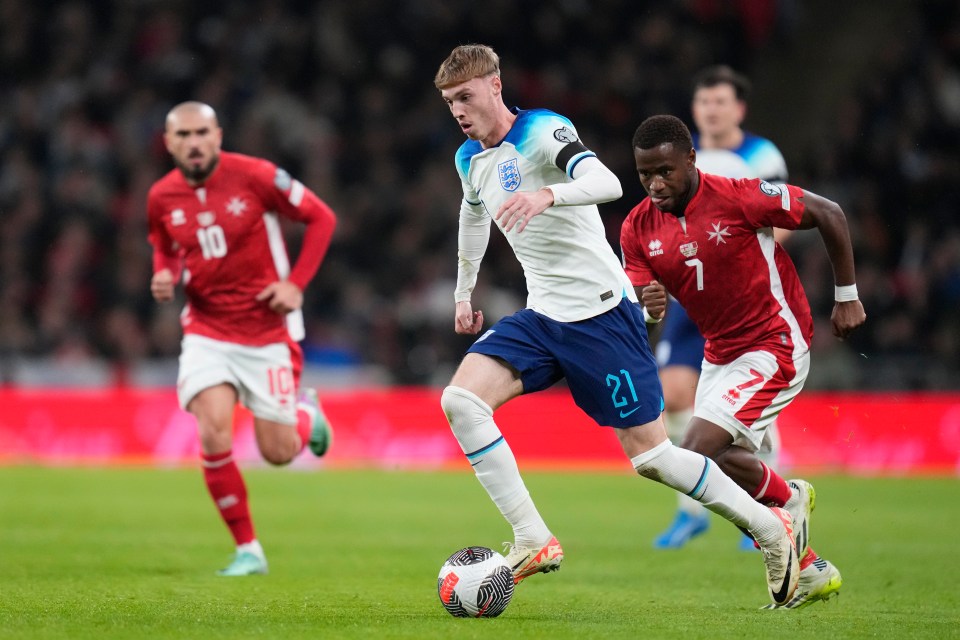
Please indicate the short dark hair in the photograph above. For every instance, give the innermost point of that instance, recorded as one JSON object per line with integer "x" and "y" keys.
{"x": 658, "y": 130}
{"x": 722, "y": 74}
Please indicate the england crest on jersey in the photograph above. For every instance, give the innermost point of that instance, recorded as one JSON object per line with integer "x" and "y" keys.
{"x": 509, "y": 174}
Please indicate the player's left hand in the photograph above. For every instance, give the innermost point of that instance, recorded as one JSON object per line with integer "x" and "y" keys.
{"x": 522, "y": 207}
{"x": 846, "y": 317}
{"x": 282, "y": 296}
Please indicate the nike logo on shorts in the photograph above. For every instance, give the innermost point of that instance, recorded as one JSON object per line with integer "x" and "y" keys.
{"x": 624, "y": 414}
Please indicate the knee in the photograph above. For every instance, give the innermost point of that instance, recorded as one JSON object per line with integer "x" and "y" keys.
{"x": 449, "y": 401}
{"x": 695, "y": 441}
{"x": 650, "y": 463}
{"x": 275, "y": 457}
{"x": 462, "y": 406}
{"x": 278, "y": 443}
{"x": 214, "y": 437}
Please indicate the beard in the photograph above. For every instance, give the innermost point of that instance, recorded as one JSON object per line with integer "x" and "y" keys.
{"x": 198, "y": 173}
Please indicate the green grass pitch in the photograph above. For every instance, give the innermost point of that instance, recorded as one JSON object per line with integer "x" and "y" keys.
{"x": 131, "y": 553}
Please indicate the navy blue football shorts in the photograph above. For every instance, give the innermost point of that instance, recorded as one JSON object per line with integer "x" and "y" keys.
{"x": 606, "y": 360}
{"x": 680, "y": 342}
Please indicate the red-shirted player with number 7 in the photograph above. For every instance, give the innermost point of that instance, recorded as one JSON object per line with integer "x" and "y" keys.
{"x": 709, "y": 241}
{"x": 214, "y": 219}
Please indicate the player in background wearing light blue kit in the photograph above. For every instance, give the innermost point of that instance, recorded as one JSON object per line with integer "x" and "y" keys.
{"x": 723, "y": 148}
{"x": 528, "y": 171}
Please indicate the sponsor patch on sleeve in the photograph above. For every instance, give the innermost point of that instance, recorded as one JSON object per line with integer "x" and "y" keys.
{"x": 770, "y": 189}
{"x": 777, "y": 190}
{"x": 565, "y": 134}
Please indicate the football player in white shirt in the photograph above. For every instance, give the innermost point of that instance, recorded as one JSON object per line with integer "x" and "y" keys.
{"x": 528, "y": 171}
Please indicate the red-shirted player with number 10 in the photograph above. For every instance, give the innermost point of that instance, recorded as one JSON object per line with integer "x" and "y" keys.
{"x": 708, "y": 240}
{"x": 214, "y": 220}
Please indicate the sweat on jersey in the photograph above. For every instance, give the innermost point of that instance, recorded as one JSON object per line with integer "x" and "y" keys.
{"x": 225, "y": 235}
{"x": 570, "y": 269}
{"x": 721, "y": 263}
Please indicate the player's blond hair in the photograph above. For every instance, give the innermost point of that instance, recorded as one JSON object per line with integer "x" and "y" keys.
{"x": 466, "y": 62}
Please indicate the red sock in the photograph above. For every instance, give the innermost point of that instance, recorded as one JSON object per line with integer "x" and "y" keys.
{"x": 229, "y": 493}
{"x": 773, "y": 489}
{"x": 304, "y": 426}
{"x": 808, "y": 558}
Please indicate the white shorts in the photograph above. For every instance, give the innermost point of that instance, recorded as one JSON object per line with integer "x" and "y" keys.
{"x": 265, "y": 377}
{"x": 745, "y": 396}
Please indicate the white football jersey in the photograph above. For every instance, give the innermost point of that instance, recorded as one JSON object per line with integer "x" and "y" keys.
{"x": 756, "y": 157}
{"x": 571, "y": 271}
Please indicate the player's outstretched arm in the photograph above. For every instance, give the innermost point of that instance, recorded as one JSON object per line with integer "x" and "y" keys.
{"x": 828, "y": 218}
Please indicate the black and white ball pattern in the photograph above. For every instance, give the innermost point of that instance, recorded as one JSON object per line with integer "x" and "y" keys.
{"x": 475, "y": 582}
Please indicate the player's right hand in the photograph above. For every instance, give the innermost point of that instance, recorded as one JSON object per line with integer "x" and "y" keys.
{"x": 468, "y": 321}
{"x": 161, "y": 285}
{"x": 654, "y": 299}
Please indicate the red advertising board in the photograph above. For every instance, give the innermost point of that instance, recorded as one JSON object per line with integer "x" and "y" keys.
{"x": 855, "y": 433}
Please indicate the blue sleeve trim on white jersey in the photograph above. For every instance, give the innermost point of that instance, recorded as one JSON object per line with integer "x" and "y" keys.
{"x": 577, "y": 159}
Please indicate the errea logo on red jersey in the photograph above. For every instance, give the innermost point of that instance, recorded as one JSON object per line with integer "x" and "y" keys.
{"x": 656, "y": 248}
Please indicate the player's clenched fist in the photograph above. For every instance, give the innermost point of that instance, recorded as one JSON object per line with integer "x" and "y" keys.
{"x": 161, "y": 285}
{"x": 654, "y": 299}
{"x": 846, "y": 317}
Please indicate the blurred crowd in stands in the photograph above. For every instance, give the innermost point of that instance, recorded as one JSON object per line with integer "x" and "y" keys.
{"x": 339, "y": 92}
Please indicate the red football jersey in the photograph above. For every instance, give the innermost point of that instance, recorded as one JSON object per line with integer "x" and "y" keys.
{"x": 721, "y": 263}
{"x": 227, "y": 237}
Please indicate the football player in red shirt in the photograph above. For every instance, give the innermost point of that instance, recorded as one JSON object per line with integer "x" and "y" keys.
{"x": 709, "y": 241}
{"x": 214, "y": 225}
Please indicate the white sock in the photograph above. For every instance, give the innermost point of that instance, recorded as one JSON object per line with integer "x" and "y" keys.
{"x": 676, "y": 423}
{"x": 694, "y": 475}
{"x": 471, "y": 421}
{"x": 252, "y": 547}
